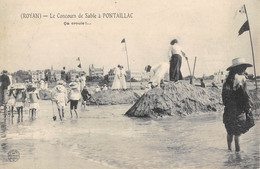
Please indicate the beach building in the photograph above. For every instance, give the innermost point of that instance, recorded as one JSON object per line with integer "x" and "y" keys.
{"x": 37, "y": 75}
{"x": 96, "y": 71}
{"x": 53, "y": 75}
{"x": 111, "y": 75}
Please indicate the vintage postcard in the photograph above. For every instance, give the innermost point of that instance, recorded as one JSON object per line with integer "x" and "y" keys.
{"x": 129, "y": 84}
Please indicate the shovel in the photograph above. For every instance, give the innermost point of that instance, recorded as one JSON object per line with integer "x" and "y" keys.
{"x": 54, "y": 117}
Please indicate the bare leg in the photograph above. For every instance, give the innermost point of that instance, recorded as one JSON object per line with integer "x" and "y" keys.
{"x": 84, "y": 103}
{"x": 229, "y": 141}
{"x": 60, "y": 114}
{"x": 34, "y": 113}
{"x": 18, "y": 112}
{"x": 71, "y": 113}
{"x": 237, "y": 146}
{"x": 76, "y": 112}
{"x": 12, "y": 110}
{"x": 21, "y": 112}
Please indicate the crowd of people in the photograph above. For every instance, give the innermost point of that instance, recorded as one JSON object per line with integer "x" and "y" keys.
{"x": 237, "y": 117}
{"x": 26, "y": 96}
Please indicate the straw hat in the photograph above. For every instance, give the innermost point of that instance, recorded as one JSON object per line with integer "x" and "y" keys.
{"x": 174, "y": 41}
{"x": 60, "y": 82}
{"x": 239, "y": 62}
{"x": 73, "y": 85}
{"x": 19, "y": 87}
{"x": 31, "y": 86}
{"x": 4, "y": 71}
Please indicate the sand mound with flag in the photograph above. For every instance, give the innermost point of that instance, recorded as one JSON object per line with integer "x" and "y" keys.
{"x": 179, "y": 99}
{"x": 113, "y": 97}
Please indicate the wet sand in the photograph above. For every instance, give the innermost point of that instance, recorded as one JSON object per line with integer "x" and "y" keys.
{"x": 104, "y": 138}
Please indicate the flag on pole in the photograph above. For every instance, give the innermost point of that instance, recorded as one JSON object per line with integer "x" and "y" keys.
{"x": 244, "y": 27}
{"x": 123, "y": 41}
{"x": 78, "y": 59}
{"x": 241, "y": 13}
{"x": 79, "y": 65}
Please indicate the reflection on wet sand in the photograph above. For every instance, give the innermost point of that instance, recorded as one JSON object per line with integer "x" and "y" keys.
{"x": 105, "y": 138}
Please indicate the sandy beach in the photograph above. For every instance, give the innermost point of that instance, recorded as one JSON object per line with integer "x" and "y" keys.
{"x": 104, "y": 138}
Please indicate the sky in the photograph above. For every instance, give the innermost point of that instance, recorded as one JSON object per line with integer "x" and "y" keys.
{"x": 207, "y": 29}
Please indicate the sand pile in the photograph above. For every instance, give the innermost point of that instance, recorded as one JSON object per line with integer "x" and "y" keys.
{"x": 179, "y": 98}
{"x": 113, "y": 97}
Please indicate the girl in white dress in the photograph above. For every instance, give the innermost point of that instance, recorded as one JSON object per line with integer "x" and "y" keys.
{"x": 116, "y": 83}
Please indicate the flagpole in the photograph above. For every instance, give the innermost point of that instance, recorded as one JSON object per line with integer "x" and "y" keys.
{"x": 128, "y": 64}
{"x": 194, "y": 68}
{"x": 251, "y": 46}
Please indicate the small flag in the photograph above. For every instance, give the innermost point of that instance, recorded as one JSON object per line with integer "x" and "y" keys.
{"x": 79, "y": 65}
{"x": 78, "y": 59}
{"x": 244, "y": 27}
{"x": 123, "y": 41}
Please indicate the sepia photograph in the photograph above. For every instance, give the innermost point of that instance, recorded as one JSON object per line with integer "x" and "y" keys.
{"x": 129, "y": 84}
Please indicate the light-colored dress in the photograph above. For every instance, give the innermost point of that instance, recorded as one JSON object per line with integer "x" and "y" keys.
{"x": 159, "y": 72}
{"x": 59, "y": 94}
{"x": 33, "y": 99}
{"x": 122, "y": 78}
{"x": 20, "y": 99}
{"x": 11, "y": 100}
{"x": 116, "y": 83}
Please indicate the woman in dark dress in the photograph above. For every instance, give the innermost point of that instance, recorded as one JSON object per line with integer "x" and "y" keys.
{"x": 237, "y": 115}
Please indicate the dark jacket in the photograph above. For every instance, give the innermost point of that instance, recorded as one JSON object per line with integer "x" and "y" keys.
{"x": 4, "y": 79}
{"x": 85, "y": 94}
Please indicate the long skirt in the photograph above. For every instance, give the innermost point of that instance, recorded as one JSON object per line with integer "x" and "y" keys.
{"x": 236, "y": 120}
{"x": 3, "y": 96}
{"x": 116, "y": 83}
{"x": 175, "y": 68}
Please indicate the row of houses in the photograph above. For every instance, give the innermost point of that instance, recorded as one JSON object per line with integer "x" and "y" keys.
{"x": 72, "y": 75}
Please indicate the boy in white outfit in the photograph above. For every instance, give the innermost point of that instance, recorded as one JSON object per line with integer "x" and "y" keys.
{"x": 59, "y": 96}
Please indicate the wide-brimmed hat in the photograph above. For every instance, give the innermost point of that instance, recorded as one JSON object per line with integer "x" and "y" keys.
{"x": 60, "y": 82}
{"x": 4, "y": 71}
{"x": 73, "y": 85}
{"x": 239, "y": 62}
{"x": 174, "y": 41}
{"x": 31, "y": 86}
{"x": 19, "y": 87}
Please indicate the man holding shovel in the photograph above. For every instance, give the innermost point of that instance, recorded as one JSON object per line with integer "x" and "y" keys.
{"x": 175, "y": 57}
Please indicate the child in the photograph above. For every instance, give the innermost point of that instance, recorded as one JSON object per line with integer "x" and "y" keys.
{"x": 74, "y": 97}
{"x": 85, "y": 95}
{"x": 202, "y": 84}
{"x": 20, "y": 98}
{"x": 60, "y": 97}
{"x": 33, "y": 98}
{"x": 11, "y": 100}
